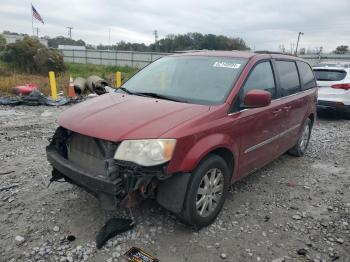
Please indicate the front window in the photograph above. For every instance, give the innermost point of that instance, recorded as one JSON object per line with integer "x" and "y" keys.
{"x": 191, "y": 79}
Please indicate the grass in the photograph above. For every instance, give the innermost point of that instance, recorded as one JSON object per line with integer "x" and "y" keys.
{"x": 10, "y": 78}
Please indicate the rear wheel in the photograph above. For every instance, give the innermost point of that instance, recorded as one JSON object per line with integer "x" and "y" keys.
{"x": 302, "y": 143}
{"x": 206, "y": 192}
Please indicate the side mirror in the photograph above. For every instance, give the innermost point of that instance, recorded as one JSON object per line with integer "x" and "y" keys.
{"x": 257, "y": 98}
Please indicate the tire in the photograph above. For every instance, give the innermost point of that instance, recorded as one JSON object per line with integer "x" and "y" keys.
{"x": 208, "y": 194}
{"x": 300, "y": 147}
{"x": 347, "y": 115}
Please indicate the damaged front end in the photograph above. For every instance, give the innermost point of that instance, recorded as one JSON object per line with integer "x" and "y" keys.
{"x": 88, "y": 163}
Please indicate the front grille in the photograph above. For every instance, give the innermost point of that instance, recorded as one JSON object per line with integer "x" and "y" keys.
{"x": 89, "y": 153}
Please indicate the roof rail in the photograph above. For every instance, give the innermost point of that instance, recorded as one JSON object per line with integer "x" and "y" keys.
{"x": 191, "y": 51}
{"x": 269, "y": 52}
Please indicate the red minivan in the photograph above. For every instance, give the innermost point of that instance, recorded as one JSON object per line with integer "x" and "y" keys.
{"x": 186, "y": 127}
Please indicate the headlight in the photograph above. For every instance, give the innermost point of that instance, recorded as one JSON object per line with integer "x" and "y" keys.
{"x": 148, "y": 152}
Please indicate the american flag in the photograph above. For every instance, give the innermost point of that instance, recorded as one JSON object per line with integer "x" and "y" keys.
{"x": 37, "y": 15}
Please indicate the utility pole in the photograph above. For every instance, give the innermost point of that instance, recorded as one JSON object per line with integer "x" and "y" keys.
{"x": 37, "y": 32}
{"x": 296, "y": 49}
{"x": 109, "y": 38}
{"x": 155, "y": 32}
{"x": 292, "y": 48}
{"x": 70, "y": 31}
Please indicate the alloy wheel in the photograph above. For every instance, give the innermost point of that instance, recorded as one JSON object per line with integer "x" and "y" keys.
{"x": 210, "y": 192}
{"x": 305, "y": 137}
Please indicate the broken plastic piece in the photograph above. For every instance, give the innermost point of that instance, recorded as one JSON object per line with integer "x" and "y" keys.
{"x": 113, "y": 227}
{"x": 55, "y": 177}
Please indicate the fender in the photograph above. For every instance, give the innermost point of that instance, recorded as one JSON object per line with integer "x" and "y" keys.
{"x": 204, "y": 146}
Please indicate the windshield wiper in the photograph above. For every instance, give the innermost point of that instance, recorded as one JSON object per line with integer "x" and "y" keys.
{"x": 156, "y": 95}
{"x": 126, "y": 90}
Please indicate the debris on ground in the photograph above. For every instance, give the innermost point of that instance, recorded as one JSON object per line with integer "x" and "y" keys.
{"x": 31, "y": 96}
{"x": 25, "y": 89}
{"x": 96, "y": 84}
{"x": 113, "y": 227}
{"x": 35, "y": 98}
{"x": 302, "y": 252}
{"x": 79, "y": 85}
{"x": 136, "y": 254}
{"x": 19, "y": 239}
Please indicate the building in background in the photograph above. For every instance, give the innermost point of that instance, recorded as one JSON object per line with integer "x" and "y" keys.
{"x": 12, "y": 38}
{"x": 71, "y": 47}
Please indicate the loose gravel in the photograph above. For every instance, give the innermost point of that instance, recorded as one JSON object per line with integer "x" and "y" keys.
{"x": 294, "y": 209}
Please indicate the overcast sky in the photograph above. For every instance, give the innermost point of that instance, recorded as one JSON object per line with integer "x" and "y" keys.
{"x": 263, "y": 24}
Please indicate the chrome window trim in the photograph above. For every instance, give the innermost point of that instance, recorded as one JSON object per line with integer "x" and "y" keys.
{"x": 267, "y": 141}
{"x": 300, "y": 92}
{"x": 231, "y": 114}
{"x": 277, "y": 99}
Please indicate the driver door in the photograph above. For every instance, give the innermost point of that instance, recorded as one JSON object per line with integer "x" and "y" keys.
{"x": 259, "y": 127}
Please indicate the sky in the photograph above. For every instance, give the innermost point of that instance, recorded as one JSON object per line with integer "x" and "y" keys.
{"x": 263, "y": 24}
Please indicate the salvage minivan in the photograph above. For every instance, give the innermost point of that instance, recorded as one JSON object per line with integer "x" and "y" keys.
{"x": 184, "y": 128}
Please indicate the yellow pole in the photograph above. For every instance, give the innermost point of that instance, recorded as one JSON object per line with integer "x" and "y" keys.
{"x": 53, "y": 85}
{"x": 118, "y": 79}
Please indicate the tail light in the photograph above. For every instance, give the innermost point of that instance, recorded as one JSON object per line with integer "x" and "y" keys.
{"x": 341, "y": 86}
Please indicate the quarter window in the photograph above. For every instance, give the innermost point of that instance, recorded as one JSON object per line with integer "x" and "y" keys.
{"x": 288, "y": 76}
{"x": 306, "y": 76}
{"x": 261, "y": 78}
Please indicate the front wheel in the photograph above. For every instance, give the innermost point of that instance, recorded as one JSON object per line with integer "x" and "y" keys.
{"x": 206, "y": 192}
{"x": 300, "y": 147}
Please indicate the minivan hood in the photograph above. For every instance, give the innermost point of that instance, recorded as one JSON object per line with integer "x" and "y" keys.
{"x": 117, "y": 116}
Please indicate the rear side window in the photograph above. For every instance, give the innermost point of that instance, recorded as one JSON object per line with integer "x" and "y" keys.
{"x": 329, "y": 74}
{"x": 306, "y": 75}
{"x": 261, "y": 77}
{"x": 289, "y": 78}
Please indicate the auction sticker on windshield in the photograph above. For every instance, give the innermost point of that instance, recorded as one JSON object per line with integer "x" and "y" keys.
{"x": 227, "y": 65}
{"x": 135, "y": 254}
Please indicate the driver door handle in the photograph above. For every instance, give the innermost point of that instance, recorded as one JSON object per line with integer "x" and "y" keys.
{"x": 277, "y": 111}
{"x": 287, "y": 108}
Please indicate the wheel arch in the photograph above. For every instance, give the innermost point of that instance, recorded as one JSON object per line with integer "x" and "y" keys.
{"x": 227, "y": 155}
{"x": 219, "y": 144}
{"x": 312, "y": 118}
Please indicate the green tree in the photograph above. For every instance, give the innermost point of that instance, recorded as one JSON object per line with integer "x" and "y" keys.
{"x": 2, "y": 43}
{"x": 61, "y": 40}
{"x": 197, "y": 41}
{"x": 342, "y": 49}
{"x": 181, "y": 42}
{"x": 30, "y": 56}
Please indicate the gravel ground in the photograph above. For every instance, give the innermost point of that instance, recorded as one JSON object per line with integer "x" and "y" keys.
{"x": 294, "y": 209}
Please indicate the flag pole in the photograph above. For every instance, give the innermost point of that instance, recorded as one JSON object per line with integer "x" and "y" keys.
{"x": 31, "y": 12}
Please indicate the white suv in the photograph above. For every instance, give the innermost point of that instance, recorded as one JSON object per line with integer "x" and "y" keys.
{"x": 334, "y": 87}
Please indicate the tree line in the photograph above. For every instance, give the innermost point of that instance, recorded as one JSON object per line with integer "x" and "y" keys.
{"x": 189, "y": 41}
{"x": 170, "y": 43}
{"x": 173, "y": 43}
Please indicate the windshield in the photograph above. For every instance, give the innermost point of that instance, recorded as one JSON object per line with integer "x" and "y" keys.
{"x": 199, "y": 80}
